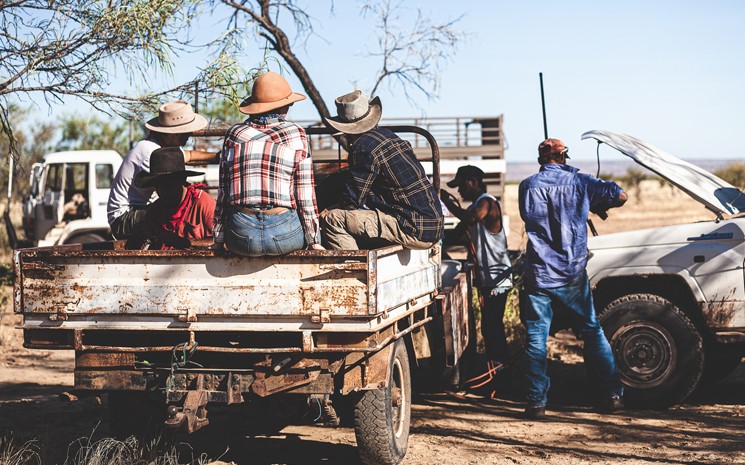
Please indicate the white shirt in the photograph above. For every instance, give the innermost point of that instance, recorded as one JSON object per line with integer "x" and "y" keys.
{"x": 124, "y": 194}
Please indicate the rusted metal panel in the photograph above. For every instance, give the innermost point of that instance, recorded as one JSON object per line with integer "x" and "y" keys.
{"x": 368, "y": 371}
{"x": 18, "y": 283}
{"x": 454, "y": 303}
{"x": 117, "y": 380}
{"x": 192, "y": 284}
{"x": 404, "y": 275}
{"x": 98, "y": 360}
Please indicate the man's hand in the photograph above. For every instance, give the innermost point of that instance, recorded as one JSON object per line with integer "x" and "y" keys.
{"x": 448, "y": 198}
{"x": 316, "y": 247}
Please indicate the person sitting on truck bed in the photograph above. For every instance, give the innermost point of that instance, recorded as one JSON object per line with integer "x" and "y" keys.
{"x": 183, "y": 214}
{"x": 387, "y": 198}
{"x": 488, "y": 251}
{"x": 554, "y": 204}
{"x": 266, "y": 204}
{"x": 172, "y": 128}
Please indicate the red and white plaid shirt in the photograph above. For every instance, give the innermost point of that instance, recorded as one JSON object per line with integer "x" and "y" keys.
{"x": 267, "y": 164}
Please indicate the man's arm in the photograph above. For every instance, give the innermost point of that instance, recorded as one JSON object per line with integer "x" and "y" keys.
{"x": 604, "y": 195}
{"x": 362, "y": 174}
{"x": 470, "y": 217}
{"x": 201, "y": 157}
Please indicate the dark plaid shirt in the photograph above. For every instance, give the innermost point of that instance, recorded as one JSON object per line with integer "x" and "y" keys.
{"x": 386, "y": 176}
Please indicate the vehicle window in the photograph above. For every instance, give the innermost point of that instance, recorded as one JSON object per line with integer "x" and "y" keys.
{"x": 77, "y": 177}
{"x": 34, "y": 181}
{"x": 104, "y": 176}
{"x": 54, "y": 178}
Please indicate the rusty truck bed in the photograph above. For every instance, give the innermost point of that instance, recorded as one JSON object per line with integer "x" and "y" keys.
{"x": 101, "y": 287}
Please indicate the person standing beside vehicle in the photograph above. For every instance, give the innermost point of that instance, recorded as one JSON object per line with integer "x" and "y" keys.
{"x": 387, "y": 198}
{"x": 171, "y": 128}
{"x": 266, "y": 203}
{"x": 488, "y": 250}
{"x": 555, "y": 204}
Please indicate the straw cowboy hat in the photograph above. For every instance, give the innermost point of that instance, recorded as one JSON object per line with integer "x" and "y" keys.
{"x": 270, "y": 91}
{"x": 165, "y": 162}
{"x": 356, "y": 113}
{"x": 176, "y": 118}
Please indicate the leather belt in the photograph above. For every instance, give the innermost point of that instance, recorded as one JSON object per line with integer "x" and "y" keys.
{"x": 271, "y": 211}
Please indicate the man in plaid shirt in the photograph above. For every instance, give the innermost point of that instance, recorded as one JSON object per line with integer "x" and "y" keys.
{"x": 266, "y": 202}
{"x": 388, "y": 198}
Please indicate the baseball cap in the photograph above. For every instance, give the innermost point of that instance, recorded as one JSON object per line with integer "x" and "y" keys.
{"x": 465, "y": 173}
{"x": 552, "y": 147}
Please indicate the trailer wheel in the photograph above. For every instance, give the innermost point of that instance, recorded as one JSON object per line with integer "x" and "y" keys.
{"x": 134, "y": 413}
{"x": 658, "y": 350}
{"x": 382, "y": 416}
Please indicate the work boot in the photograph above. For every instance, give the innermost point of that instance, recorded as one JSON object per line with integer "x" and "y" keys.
{"x": 535, "y": 413}
{"x": 612, "y": 404}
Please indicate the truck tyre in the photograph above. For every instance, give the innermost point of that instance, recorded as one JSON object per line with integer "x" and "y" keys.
{"x": 382, "y": 416}
{"x": 85, "y": 238}
{"x": 134, "y": 413}
{"x": 658, "y": 350}
{"x": 720, "y": 362}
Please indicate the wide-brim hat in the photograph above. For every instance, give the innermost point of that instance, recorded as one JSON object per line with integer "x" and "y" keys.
{"x": 177, "y": 118}
{"x": 165, "y": 163}
{"x": 270, "y": 91}
{"x": 356, "y": 113}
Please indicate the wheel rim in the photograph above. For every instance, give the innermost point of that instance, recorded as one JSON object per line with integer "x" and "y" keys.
{"x": 398, "y": 398}
{"x": 645, "y": 353}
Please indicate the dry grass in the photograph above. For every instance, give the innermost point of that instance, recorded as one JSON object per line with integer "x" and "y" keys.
{"x": 14, "y": 452}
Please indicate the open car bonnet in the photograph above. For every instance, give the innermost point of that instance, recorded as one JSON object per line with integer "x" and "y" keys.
{"x": 716, "y": 194}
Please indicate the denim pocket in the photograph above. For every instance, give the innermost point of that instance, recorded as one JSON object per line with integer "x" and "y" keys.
{"x": 287, "y": 243}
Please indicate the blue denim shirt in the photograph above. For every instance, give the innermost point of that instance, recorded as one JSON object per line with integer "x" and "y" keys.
{"x": 554, "y": 204}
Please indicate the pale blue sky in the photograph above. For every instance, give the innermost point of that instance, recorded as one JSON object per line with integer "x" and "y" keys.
{"x": 668, "y": 72}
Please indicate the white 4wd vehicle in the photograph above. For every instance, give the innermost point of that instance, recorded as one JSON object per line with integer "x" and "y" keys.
{"x": 68, "y": 196}
{"x": 672, "y": 299}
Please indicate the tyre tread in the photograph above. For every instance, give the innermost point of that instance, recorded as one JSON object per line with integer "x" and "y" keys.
{"x": 698, "y": 363}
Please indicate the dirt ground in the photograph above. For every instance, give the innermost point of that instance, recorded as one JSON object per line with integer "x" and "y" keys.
{"x": 446, "y": 427}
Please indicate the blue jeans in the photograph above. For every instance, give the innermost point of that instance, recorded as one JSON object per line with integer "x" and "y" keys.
{"x": 256, "y": 235}
{"x": 575, "y": 298}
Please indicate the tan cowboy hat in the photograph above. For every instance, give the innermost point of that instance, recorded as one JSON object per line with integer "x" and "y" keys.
{"x": 176, "y": 118}
{"x": 270, "y": 91}
{"x": 356, "y": 113}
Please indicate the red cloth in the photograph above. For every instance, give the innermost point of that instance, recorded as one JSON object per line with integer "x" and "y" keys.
{"x": 193, "y": 219}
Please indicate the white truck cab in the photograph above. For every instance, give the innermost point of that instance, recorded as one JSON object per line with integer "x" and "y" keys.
{"x": 671, "y": 299}
{"x": 68, "y": 196}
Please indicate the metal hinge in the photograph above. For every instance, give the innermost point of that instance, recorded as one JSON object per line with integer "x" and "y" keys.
{"x": 187, "y": 314}
{"x": 324, "y": 316}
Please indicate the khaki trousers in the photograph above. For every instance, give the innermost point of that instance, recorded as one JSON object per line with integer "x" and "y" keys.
{"x": 366, "y": 229}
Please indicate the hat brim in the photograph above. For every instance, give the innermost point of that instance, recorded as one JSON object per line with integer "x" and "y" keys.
{"x": 363, "y": 124}
{"x": 199, "y": 122}
{"x": 147, "y": 179}
{"x": 255, "y": 108}
{"x": 455, "y": 182}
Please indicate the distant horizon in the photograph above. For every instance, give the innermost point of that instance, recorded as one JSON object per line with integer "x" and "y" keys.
{"x": 617, "y": 166}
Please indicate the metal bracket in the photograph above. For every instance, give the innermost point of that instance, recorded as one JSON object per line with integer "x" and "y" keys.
{"x": 324, "y": 316}
{"x": 187, "y": 314}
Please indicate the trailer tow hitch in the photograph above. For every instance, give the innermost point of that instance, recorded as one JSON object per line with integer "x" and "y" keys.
{"x": 193, "y": 414}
